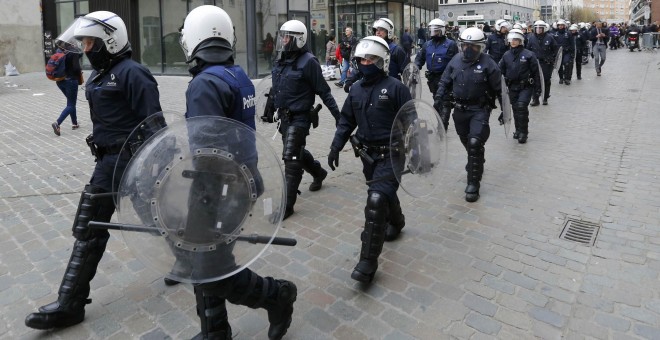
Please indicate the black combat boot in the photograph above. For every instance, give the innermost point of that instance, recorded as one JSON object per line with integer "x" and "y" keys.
{"x": 212, "y": 313}
{"x": 396, "y": 222}
{"x": 293, "y": 175}
{"x": 535, "y": 101}
{"x": 475, "y": 169}
{"x": 276, "y": 296}
{"x": 319, "y": 175}
{"x": 372, "y": 237}
{"x": 69, "y": 309}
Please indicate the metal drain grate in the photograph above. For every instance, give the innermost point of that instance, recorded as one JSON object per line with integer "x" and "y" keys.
{"x": 584, "y": 232}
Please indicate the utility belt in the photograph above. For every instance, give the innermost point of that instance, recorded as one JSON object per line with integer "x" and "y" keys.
{"x": 313, "y": 114}
{"x": 465, "y": 104}
{"x": 366, "y": 151}
{"x": 98, "y": 151}
{"x": 523, "y": 82}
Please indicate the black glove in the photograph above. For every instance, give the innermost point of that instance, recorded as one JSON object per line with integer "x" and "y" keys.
{"x": 445, "y": 113}
{"x": 347, "y": 86}
{"x": 501, "y": 118}
{"x": 437, "y": 104}
{"x": 333, "y": 159}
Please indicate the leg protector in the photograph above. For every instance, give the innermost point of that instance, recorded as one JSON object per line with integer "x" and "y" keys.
{"x": 373, "y": 236}
{"x": 475, "y": 169}
{"x": 521, "y": 115}
{"x": 314, "y": 168}
{"x": 293, "y": 171}
{"x": 212, "y": 314}
{"x": 69, "y": 309}
{"x": 547, "y": 91}
{"x": 276, "y": 296}
{"x": 396, "y": 222}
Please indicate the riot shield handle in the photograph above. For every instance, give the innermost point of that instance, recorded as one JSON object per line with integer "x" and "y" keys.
{"x": 253, "y": 238}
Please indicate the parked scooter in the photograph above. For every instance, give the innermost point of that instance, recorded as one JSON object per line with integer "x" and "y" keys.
{"x": 632, "y": 41}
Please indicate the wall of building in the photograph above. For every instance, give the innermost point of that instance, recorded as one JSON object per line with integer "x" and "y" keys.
{"x": 21, "y": 41}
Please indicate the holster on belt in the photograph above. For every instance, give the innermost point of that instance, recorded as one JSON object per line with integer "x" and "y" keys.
{"x": 360, "y": 149}
{"x": 314, "y": 115}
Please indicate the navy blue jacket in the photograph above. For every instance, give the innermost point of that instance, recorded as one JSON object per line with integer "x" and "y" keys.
{"x": 566, "y": 40}
{"x": 119, "y": 100}
{"x": 436, "y": 54}
{"x": 520, "y": 66}
{"x": 398, "y": 60}
{"x": 297, "y": 81}
{"x": 544, "y": 46}
{"x": 594, "y": 31}
{"x": 477, "y": 82}
{"x": 496, "y": 45}
{"x": 371, "y": 107}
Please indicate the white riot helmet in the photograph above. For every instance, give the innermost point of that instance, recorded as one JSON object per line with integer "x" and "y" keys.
{"x": 472, "y": 42}
{"x": 516, "y": 34}
{"x": 540, "y": 25}
{"x": 499, "y": 24}
{"x": 560, "y": 22}
{"x": 436, "y": 27}
{"x": 386, "y": 24}
{"x": 106, "y": 26}
{"x": 587, "y": 26}
{"x": 581, "y": 25}
{"x": 292, "y": 36}
{"x": 573, "y": 27}
{"x": 518, "y": 26}
{"x": 375, "y": 49}
{"x": 204, "y": 23}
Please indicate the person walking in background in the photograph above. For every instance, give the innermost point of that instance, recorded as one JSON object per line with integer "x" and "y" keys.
{"x": 347, "y": 44}
{"x": 330, "y": 47}
{"x": 69, "y": 87}
{"x": 599, "y": 38}
{"x": 421, "y": 34}
{"x": 269, "y": 45}
{"x": 407, "y": 42}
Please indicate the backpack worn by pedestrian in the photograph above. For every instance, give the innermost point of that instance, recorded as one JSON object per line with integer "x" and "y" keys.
{"x": 55, "y": 69}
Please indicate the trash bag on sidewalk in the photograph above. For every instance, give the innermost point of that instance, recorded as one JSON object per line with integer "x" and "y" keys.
{"x": 328, "y": 72}
{"x": 10, "y": 70}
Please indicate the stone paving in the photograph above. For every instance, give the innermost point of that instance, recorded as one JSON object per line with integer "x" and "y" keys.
{"x": 491, "y": 269}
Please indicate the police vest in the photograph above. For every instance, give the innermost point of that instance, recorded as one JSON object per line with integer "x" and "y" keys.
{"x": 241, "y": 86}
{"x": 436, "y": 55}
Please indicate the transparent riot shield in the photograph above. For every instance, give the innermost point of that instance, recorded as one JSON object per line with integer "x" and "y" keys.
{"x": 196, "y": 204}
{"x": 411, "y": 78}
{"x": 558, "y": 58}
{"x": 140, "y": 134}
{"x": 418, "y": 148}
{"x": 542, "y": 80}
{"x": 265, "y": 105}
{"x": 507, "y": 109}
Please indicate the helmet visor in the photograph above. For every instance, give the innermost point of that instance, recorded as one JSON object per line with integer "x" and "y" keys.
{"x": 288, "y": 41}
{"x": 67, "y": 41}
{"x": 436, "y": 30}
{"x": 91, "y": 44}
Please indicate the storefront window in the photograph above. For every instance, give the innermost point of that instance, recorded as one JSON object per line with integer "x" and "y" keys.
{"x": 268, "y": 23}
{"x": 150, "y": 36}
{"x": 236, "y": 11}
{"x": 395, "y": 14}
{"x": 173, "y": 59}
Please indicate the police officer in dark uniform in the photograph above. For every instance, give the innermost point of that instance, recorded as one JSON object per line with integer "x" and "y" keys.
{"x": 496, "y": 44}
{"x": 121, "y": 94}
{"x": 474, "y": 82}
{"x": 221, "y": 88}
{"x": 371, "y": 106}
{"x": 520, "y": 69}
{"x": 384, "y": 28}
{"x": 436, "y": 53}
{"x": 580, "y": 44}
{"x": 545, "y": 47}
{"x": 297, "y": 78}
{"x": 566, "y": 41}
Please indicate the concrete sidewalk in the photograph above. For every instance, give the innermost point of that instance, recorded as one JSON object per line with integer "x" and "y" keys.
{"x": 491, "y": 269}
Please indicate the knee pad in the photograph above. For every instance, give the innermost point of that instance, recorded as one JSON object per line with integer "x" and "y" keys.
{"x": 377, "y": 207}
{"x": 294, "y": 143}
{"x": 91, "y": 209}
{"x": 475, "y": 143}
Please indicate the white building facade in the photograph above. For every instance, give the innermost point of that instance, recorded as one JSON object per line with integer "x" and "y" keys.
{"x": 466, "y": 13}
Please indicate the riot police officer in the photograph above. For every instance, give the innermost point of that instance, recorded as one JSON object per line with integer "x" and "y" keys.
{"x": 566, "y": 41}
{"x": 297, "y": 78}
{"x": 436, "y": 53}
{"x": 121, "y": 94}
{"x": 545, "y": 47}
{"x": 371, "y": 106}
{"x": 497, "y": 44}
{"x": 384, "y": 28}
{"x": 472, "y": 80}
{"x": 221, "y": 88}
{"x": 520, "y": 69}
{"x": 580, "y": 44}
